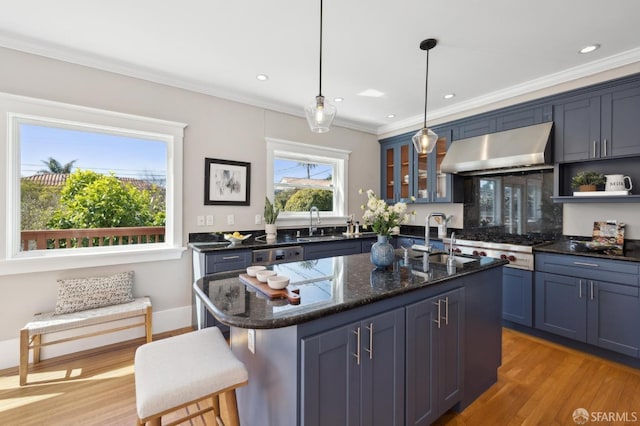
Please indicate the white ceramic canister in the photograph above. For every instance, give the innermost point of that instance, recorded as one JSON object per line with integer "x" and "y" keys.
{"x": 617, "y": 183}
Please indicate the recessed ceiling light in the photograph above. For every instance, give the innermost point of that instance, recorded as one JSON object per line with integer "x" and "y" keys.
{"x": 590, "y": 48}
{"x": 391, "y": 116}
{"x": 449, "y": 95}
{"x": 262, "y": 77}
{"x": 371, "y": 93}
{"x": 338, "y": 99}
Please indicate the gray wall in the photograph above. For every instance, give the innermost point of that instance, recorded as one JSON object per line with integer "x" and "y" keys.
{"x": 216, "y": 128}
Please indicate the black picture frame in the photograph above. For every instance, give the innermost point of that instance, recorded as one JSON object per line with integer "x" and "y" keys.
{"x": 226, "y": 182}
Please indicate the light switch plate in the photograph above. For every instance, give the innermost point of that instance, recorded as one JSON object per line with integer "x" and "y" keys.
{"x": 258, "y": 219}
{"x": 231, "y": 219}
{"x": 209, "y": 219}
{"x": 200, "y": 221}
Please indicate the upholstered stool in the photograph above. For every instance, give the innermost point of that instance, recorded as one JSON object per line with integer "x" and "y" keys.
{"x": 178, "y": 371}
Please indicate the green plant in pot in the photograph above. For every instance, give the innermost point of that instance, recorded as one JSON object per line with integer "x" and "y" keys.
{"x": 587, "y": 181}
{"x": 270, "y": 215}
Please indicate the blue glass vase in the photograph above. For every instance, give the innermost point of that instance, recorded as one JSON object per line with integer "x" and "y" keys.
{"x": 382, "y": 254}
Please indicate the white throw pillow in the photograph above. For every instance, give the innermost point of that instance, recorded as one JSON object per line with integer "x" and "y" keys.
{"x": 80, "y": 294}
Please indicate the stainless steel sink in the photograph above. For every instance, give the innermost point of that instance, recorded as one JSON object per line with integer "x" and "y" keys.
{"x": 320, "y": 238}
{"x": 440, "y": 258}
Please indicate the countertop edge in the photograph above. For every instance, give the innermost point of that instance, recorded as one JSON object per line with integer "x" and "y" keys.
{"x": 306, "y": 317}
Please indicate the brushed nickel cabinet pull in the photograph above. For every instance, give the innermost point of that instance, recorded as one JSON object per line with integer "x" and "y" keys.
{"x": 591, "y": 282}
{"x": 605, "y": 147}
{"x": 446, "y": 310}
{"x": 357, "y": 354}
{"x": 580, "y": 289}
{"x": 370, "y": 350}
{"x": 437, "y": 321}
{"x": 594, "y": 148}
{"x": 595, "y": 265}
{"x": 230, "y": 257}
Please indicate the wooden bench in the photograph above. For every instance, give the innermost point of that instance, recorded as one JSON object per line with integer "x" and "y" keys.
{"x": 31, "y": 334}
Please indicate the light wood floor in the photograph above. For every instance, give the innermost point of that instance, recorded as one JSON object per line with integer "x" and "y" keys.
{"x": 539, "y": 383}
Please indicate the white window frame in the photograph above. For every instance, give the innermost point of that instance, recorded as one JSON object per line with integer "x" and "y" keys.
{"x": 20, "y": 109}
{"x": 300, "y": 151}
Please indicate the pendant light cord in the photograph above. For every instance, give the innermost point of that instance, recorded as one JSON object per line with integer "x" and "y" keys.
{"x": 320, "y": 87}
{"x": 426, "y": 91}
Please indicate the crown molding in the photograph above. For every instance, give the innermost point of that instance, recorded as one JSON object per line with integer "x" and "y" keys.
{"x": 571, "y": 74}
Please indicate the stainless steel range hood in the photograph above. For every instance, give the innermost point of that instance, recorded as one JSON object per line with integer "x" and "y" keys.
{"x": 526, "y": 148}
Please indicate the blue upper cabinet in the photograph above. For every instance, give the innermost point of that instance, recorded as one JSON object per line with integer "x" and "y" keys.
{"x": 598, "y": 125}
{"x": 405, "y": 173}
{"x": 397, "y": 168}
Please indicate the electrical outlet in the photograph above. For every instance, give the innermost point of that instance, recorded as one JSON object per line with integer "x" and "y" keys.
{"x": 200, "y": 221}
{"x": 231, "y": 219}
{"x": 251, "y": 340}
{"x": 209, "y": 219}
{"x": 258, "y": 219}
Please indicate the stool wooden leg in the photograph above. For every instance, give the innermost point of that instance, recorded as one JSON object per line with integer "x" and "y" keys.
{"x": 147, "y": 322}
{"x": 37, "y": 339}
{"x": 215, "y": 403}
{"x": 24, "y": 356}
{"x": 229, "y": 408}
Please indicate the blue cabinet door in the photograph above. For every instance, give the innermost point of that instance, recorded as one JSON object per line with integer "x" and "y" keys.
{"x": 517, "y": 296}
{"x": 561, "y": 306}
{"x": 433, "y": 359}
{"x": 613, "y": 317}
{"x": 354, "y": 375}
{"x": 577, "y": 129}
{"x": 397, "y": 166}
{"x": 330, "y": 380}
{"x": 620, "y": 123}
{"x": 382, "y": 360}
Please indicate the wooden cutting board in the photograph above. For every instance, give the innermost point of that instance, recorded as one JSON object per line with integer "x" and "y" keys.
{"x": 292, "y": 295}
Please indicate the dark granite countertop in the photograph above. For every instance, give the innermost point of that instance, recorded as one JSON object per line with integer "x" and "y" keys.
{"x": 327, "y": 286}
{"x": 207, "y": 242}
{"x": 631, "y": 250}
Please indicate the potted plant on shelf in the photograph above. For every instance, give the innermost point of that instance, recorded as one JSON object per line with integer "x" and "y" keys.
{"x": 587, "y": 181}
{"x": 270, "y": 215}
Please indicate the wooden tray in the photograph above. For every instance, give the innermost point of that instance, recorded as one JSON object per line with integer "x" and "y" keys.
{"x": 292, "y": 295}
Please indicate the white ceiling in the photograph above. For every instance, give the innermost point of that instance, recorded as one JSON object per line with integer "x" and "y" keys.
{"x": 488, "y": 50}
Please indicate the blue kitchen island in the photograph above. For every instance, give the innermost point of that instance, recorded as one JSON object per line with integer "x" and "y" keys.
{"x": 364, "y": 346}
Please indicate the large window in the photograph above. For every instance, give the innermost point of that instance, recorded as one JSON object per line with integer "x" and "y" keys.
{"x": 86, "y": 182}
{"x": 301, "y": 176}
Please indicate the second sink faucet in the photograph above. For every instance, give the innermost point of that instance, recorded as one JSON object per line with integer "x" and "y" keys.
{"x": 426, "y": 228}
{"x": 312, "y": 228}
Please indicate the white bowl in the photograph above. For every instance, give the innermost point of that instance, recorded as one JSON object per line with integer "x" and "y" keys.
{"x": 278, "y": 282}
{"x": 263, "y": 275}
{"x": 251, "y": 270}
{"x": 234, "y": 240}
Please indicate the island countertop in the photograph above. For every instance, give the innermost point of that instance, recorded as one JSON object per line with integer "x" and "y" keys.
{"x": 327, "y": 286}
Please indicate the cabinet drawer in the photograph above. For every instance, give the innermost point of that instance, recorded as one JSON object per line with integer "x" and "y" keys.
{"x": 227, "y": 261}
{"x": 337, "y": 248}
{"x": 367, "y": 243}
{"x": 592, "y": 268}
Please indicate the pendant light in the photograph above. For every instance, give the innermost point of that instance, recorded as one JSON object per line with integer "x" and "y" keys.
{"x": 425, "y": 140}
{"x": 320, "y": 113}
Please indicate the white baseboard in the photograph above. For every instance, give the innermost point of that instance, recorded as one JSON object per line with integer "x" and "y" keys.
{"x": 167, "y": 320}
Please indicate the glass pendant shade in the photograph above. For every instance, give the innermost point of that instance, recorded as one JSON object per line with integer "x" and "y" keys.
{"x": 424, "y": 141}
{"x": 320, "y": 114}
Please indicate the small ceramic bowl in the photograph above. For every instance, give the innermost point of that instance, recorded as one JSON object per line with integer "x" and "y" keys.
{"x": 278, "y": 282}
{"x": 251, "y": 270}
{"x": 263, "y": 275}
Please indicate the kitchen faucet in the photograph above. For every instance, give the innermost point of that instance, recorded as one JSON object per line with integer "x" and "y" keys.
{"x": 426, "y": 228}
{"x": 312, "y": 228}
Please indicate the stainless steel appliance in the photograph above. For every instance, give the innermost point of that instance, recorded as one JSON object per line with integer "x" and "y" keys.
{"x": 517, "y": 249}
{"x": 277, "y": 255}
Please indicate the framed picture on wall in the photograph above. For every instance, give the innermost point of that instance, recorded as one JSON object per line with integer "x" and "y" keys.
{"x": 226, "y": 182}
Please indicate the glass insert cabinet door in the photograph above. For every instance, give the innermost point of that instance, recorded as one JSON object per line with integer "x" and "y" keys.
{"x": 431, "y": 183}
{"x": 398, "y": 175}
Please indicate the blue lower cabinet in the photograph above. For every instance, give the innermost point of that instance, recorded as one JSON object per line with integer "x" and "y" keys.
{"x": 333, "y": 248}
{"x": 517, "y": 296}
{"x": 433, "y": 369}
{"x": 596, "y": 312}
{"x": 353, "y": 375}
